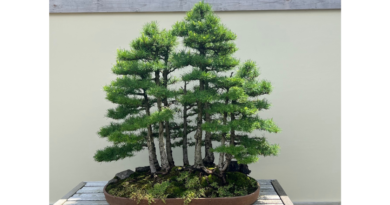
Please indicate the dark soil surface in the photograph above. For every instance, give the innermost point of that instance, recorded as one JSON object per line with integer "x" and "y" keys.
{"x": 179, "y": 183}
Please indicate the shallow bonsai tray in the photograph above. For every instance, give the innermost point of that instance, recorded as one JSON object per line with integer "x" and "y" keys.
{"x": 242, "y": 200}
{"x": 91, "y": 193}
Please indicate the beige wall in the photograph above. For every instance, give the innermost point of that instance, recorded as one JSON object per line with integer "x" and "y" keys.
{"x": 298, "y": 51}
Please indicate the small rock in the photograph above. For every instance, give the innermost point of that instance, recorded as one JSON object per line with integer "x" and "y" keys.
{"x": 124, "y": 174}
{"x": 142, "y": 169}
{"x": 245, "y": 169}
{"x": 112, "y": 181}
{"x": 235, "y": 167}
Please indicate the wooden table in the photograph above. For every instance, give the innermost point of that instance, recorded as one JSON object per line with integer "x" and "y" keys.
{"x": 91, "y": 193}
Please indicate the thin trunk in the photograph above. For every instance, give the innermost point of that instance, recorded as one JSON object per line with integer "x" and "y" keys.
{"x": 149, "y": 139}
{"x": 163, "y": 154}
{"x": 223, "y": 139}
{"x": 198, "y": 163}
{"x": 167, "y": 127}
{"x": 208, "y": 159}
{"x": 156, "y": 164}
{"x": 185, "y": 145}
{"x": 222, "y": 155}
{"x": 229, "y": 157}
{"x": 151, "y": 157}
{"x": 169, "y": 145}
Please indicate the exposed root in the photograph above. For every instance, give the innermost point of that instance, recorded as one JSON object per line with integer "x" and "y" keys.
{"x": 207, "y": 170}
{"x": 167, "y": 171}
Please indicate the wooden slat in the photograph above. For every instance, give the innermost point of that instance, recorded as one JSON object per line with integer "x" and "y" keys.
{"x": 282, "y": 194}
{"x": 266, "y": 186}
{"x": 60, "y": 202}
{"x": 267, "y": 192}
{"x": 87, "y": 197}
{"x": 70, "y": 193}
{"x": 317, "y": 203}
{"x": 269, "y": 197}
{"x": 93, "y": 6}
{"x": 264, "y": 181}
{"x": 268, "y": 202}
{"x": 86, "y": 203}
{"x": 96, "y": 183}
{"x": 86, "y": 190}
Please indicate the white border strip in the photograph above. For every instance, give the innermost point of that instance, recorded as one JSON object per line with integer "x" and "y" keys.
{"x": 99, "y": 6}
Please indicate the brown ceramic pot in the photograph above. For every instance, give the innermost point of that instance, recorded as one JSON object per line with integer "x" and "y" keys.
{"x": 238, "y": 200}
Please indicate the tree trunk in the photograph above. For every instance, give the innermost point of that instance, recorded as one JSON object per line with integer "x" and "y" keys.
{"x": 152, "y": 152}
{"x": 228, "y": 157}
{"x": 167, "y": 127}
{"x": 163, "y": 154}
{"x": 208, "y": 159}
{"x": 150, "y": 141}
{"x": 223, "y": 140}
{"x": 221, "y": 155}
{"x": 185, "y": 143}
{"x": 156, "y": 164}
{"x": 168, "y": 144}
{"x": 198, "y": 163}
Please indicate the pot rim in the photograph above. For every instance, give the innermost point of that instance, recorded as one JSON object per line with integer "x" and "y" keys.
{"x": 167, "y": 199}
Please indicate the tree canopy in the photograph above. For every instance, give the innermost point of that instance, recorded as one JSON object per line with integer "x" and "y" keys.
{"x": 220, "y": 106}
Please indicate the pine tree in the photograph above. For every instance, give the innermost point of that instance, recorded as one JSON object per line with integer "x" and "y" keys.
{"x": 225, "y": 99}
{"x": 212, "y": 48}
{"x": 137, "y": 90}
{"x": 161, "y": 44}
{"x": 237, "y": 107}
{"x": 181, "y": 130}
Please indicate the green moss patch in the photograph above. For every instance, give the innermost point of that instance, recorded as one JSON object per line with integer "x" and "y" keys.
{"x": 182, "y": 184}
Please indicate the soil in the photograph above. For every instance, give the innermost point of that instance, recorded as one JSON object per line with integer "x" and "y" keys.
{"x": 179, "y": 183}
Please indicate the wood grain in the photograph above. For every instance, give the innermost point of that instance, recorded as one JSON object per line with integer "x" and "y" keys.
{"x": 96, "y": 183}
{"x": 266, "y": 186}
{"x": 88, "y": 197}
{"x": 70, "y": 193}
{"x": 86, "y": 190}
{"x": 268, "y": 202}
{"x": 98, "y": 6}
{"x": 269, "y": 197}
{"x": 282, "y": 194}
{"x": 86, "y": 203}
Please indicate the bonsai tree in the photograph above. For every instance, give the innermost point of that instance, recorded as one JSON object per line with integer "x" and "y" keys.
{"x": 136, "y": 91}
{"x": 218, "y": 99}
{"x": 237, "y": 107}
{"x": 211, "y": 49}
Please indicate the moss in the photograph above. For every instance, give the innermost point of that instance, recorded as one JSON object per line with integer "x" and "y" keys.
{"x": 140, "y": 185}
{"x": 238, "y": 178}
{"x": 175, "y": 191}
{"x": 211, "y": 179}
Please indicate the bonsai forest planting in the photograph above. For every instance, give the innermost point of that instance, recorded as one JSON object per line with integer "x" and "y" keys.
{"x": 212, "y": 105}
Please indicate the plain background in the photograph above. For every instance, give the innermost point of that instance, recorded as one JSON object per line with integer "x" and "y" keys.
{"x": 298, "y": 51}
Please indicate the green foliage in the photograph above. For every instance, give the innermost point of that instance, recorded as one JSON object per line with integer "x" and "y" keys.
{"x": 226, "y": 96}
{"x": 136, "y": 91}
{"x": 193, "y": 189}
{"x": 158, "y": 190}
{"x": 181, "y": 184}
{"x": 239, "y": 92}
{"x": 223, "y": 191}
